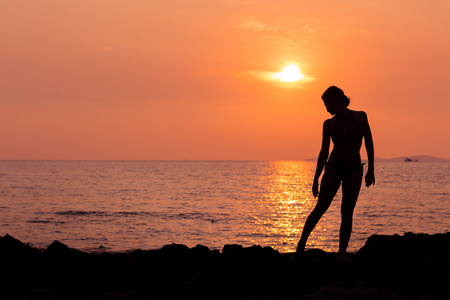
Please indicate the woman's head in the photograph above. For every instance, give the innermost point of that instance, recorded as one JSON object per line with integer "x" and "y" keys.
{"x": 336, "y": 96}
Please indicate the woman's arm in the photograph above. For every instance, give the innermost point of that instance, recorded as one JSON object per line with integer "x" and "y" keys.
{"x": 323, "y": 156}
{"x": 368, "y": 142}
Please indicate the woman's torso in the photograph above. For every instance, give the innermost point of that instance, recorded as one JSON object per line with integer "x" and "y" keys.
{"x": 346, "y": 132}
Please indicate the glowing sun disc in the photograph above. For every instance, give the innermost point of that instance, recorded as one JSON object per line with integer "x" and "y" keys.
{"x": 290, "y": 73}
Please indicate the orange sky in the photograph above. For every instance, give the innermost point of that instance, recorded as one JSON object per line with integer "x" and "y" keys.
{"x": 177, "y": 79}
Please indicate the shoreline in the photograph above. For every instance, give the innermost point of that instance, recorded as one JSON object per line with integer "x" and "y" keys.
{"x": 386, "y": 267}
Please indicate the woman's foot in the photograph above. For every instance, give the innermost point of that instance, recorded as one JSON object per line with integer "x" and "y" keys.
{"x": 300, "y": 251}
{"x": 342, "y": 258}
{"x": 299, "y": 256}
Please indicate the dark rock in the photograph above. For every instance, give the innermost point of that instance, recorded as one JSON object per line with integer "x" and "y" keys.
{"x": 14, "y": 251}
{"x": 406, "y": 247}
{"x": 59, "y": 250}
{"x": 412, "y": 266}
{"x": 175, "y": 249}
{"x": 254, "y": 256}
{"x": 345, "y": 291}
{"x": 200, "y": 249}
{"x": 320, "y": 255}
{"x": 232, "y": 250}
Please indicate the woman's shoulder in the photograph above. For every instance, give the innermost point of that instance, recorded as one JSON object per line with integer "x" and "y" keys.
{"x": 359, "y": 114}
{"x": 328, "y": 125}
{"x": 329, "y": 121}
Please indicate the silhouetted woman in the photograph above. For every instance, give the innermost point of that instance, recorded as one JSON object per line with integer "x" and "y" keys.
{"x": 346, "y": 129}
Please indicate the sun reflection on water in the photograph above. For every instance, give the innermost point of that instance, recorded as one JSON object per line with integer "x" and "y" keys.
{"x": 285, "y": 205}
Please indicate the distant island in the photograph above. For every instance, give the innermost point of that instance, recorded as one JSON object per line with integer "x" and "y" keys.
{"x": 416, "y": 158}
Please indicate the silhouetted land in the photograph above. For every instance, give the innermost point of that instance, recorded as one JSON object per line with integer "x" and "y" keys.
{"x": 412, "y": 266}
{"x": 418, "y": 158}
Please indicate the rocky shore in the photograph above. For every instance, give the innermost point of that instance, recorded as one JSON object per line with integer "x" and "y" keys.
{"x": 412, "y": 266}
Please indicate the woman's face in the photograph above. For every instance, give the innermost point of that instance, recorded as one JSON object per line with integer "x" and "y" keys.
{"x": 332, "y": 106}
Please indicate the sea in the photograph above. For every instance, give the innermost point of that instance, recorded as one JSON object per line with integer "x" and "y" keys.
{"x": 121, "y": 206}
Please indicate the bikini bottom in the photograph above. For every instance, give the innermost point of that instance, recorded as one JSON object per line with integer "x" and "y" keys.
{"x": 345, "y": 171}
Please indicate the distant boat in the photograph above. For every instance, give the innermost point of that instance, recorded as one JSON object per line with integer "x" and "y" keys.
{"x": 410, "y": 160}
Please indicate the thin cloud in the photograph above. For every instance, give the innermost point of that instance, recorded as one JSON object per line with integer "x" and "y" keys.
{"x": 258, "y": 26}
{"x": 272, "y": 78}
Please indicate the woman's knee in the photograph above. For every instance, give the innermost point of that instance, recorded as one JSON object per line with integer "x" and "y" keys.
{"x": 347, "y": 214}
{"x": 347, "y": 218}
{"x": 348, "y": 209}
{"x": 317, "y": 212}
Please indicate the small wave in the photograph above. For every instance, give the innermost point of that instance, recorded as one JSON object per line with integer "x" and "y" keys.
{"x": 138, "y": 213}
{"x": 132, "y": 213}
{"x": 103, "y": 213}
{"x": 195, "y": 215}
{"x": 209, "y": 217}
{"x": 23, "y": 187}
{"x": 369, "y": 215}
{"x": 253, "y": 235}
{"x": 45, "y": 222}
{"x": 79, "y": 213}
{"x": 76, "y": 195}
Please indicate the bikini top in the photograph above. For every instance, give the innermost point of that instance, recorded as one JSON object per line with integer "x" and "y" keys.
{"x": 339, "y": 138}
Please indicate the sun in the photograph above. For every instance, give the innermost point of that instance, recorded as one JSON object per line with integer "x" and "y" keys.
{"x": 290, "y": 73}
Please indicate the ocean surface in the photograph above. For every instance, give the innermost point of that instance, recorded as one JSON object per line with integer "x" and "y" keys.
{"x": 127, "y": 205}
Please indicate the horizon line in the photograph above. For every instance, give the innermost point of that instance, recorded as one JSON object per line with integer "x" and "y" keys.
{"x": 242, "y": 160}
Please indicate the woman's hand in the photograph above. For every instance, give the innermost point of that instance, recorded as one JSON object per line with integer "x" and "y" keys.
{"x": 315, "y": 188}
{"x": 370, "y": 178}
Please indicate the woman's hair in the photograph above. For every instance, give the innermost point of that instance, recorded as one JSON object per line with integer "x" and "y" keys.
{"x": 335, "y": 94}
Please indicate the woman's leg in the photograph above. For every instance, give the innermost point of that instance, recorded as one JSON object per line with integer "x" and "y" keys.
{"x": 350, "y": 191}
{"x": 328, "y": 188}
